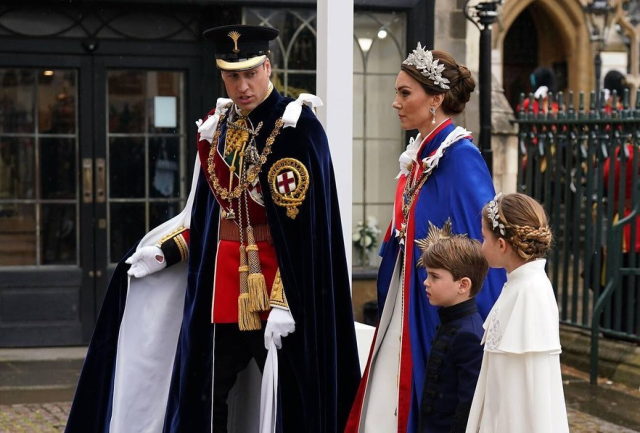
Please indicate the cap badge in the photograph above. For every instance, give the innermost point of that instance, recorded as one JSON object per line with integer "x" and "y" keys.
{"x": 235, "y": 36}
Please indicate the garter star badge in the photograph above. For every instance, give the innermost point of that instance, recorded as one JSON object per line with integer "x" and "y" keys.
{"x": 289, "y": 182}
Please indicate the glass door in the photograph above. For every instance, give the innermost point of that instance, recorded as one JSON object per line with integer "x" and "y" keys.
{"x": 145, "y": 143}
{"x": 143, "y": 138}
{"x": 39, "y": 149}
{"x": 44, "y": 249}
{"x": 93, "y": 154}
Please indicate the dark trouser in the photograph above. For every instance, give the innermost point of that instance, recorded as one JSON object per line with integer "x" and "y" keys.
{"x": 233, "y": 351}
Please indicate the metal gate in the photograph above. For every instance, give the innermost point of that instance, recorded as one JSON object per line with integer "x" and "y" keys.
{"x": 582, "y": 164}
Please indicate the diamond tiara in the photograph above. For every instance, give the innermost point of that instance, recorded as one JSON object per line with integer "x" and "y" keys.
{"x": 423, "y": 61}
{"x": 492, "y": 210}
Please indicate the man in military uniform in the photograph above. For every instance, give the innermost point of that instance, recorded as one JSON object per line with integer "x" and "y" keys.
{"x": 261, "y": 243}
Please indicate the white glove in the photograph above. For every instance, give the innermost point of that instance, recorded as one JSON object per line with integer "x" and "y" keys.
{"x": 279, "y": 324}
{"x": 145, "y": 261}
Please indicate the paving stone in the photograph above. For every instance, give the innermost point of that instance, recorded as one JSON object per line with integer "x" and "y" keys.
{"x": 52, "y": 417}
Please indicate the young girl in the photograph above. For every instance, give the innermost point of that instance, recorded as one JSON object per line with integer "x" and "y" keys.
{"x": 520, "y": 383}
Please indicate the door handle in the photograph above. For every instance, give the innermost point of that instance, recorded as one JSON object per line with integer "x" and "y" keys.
{"x": 87, "y": 180}
{"x": 100, "y": 180}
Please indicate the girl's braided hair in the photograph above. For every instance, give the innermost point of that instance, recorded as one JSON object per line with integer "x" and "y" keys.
{"x": 521, "y": 221}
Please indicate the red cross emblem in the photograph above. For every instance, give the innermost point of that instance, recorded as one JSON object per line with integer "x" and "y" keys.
{"x": 286, "y": 182}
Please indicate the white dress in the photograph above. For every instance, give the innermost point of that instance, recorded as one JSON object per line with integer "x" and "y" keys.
{"x": 520, "y": 384}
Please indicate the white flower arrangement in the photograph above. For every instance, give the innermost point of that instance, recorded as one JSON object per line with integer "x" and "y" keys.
{"x": 365, "y": 237}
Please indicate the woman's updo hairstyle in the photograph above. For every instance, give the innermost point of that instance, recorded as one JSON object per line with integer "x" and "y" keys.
{"x": 521, "y": 221}
{"x": 460, "y": 84}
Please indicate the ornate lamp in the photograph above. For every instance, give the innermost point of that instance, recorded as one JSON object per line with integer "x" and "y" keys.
{"x": 598, "y": 14}
{"x": 483, "y": 15}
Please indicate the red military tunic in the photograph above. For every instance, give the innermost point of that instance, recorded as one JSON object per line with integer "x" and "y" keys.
{"x": 226, "y": 285}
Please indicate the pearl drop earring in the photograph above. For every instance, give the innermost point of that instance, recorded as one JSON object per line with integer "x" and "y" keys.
{"x": 433, "y": 113}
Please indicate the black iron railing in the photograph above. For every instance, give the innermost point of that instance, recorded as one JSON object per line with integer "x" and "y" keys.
{"x": 582, "y": 165}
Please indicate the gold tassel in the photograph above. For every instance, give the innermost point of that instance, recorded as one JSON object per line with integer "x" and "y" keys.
{"x": 258, "y": 297}
{"x": 247, "y": 319}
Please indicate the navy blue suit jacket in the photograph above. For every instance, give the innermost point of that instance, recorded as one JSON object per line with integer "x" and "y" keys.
{"x": 452, "y": 369}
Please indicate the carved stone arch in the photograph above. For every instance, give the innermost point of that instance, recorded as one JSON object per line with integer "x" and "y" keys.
{"x": 634, "y": 49}
{"x": 568, "y": 21}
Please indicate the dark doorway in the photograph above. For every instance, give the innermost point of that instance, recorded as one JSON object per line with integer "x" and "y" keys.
{"x": 93, "y": 153}
{"x": 520, "y": 57}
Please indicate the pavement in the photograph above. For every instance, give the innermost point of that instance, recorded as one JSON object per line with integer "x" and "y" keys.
{"x": 37, "y": 385}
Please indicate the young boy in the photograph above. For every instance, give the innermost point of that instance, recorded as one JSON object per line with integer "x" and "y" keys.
{"x": 456, "y": 269}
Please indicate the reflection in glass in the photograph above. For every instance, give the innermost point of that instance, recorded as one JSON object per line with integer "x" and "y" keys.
{"x": 17, "y": 235}
{"x": 164, "y": 167}
{"x": 58, "y": 168}
{"x": 59, "y": 244}
{"x": 17, "y": 96}
{"x": 163, "y": 83}
{"x": 16, "y": 168}
{"x": 126, "y": 101}
{"x": 145, "y": 166}
{"x": 56, "y": 102}
{"x": 126, "y": 167}
{"x": 127, "y": 226}
{"x": 303, "y": 51}
{"x": 38, "y": 167}
{"x": 300, "y": 83}
{"x": 161, "y": 212}
{"x": 380, "y": 170}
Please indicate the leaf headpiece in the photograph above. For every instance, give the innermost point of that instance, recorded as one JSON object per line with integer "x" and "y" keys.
{"x": 428, "y": 66}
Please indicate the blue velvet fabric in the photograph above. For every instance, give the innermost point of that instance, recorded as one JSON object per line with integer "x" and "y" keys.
{"x": 91, "y": 408}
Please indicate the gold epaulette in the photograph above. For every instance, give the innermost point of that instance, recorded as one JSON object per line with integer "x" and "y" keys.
{"x": 278, "y": 297}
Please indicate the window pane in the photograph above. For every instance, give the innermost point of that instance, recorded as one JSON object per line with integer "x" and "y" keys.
{"x": 59, "y": 234}
{"x": 382, "y": 214}
{"x": 126, "y": 168}
{"x": 303, "y": 51}
{"x": 17, "y": 171}
{"x": 17, "y": 235}
{"x": 17, "y": 95}
{"x": 58, "y": 168}
{"x": 381, "y": 169}
{"x": 42, "y": 170}
{"x": 358, "y": 57}
{"x": 163, "y": 93}
{"x": 385, "y": 55}
{"x": 57, "y": 101}
{"x": 161, "y": 212}
{"x": 381, "y": 118}
{"x": 358, "y": 171}
{"x": 126, "y": 101}
{"x": 300, "y": 83}
{"x": 164, "y": 167}
{"x": 359, "y": 106}
{"x": 127, "y": 227}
